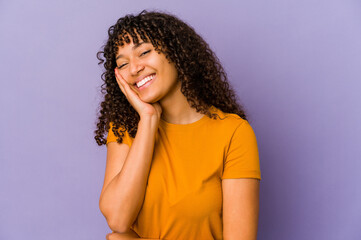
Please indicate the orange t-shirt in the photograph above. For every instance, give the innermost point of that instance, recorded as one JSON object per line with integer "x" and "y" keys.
{"x": 183, "y": 198}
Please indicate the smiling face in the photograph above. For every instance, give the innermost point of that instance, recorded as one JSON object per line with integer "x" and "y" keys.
{"x": 147, "y": 72}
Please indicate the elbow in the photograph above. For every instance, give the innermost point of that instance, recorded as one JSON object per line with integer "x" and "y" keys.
{"x": 115, "y": 226}
{"x": 114, "y": 221}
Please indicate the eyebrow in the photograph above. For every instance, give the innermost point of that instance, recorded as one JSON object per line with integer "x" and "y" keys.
{"x": 133, "y": 48}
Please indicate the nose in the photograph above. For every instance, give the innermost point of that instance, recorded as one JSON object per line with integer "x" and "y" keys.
{"x": 136, "y": 67}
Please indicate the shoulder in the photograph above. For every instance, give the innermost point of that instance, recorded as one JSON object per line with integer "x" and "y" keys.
{"x": 123, "y": 133}
{"x": 230, "y": 121}
{"x": 112, "y": 127}
{"x": 232, "y": 127}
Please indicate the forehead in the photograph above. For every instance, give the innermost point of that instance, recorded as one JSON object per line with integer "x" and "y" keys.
{"x": 126, "y": 40}
{"x": 130, "y": 47}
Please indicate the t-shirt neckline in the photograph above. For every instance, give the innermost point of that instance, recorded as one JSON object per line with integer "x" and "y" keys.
{"x": 183, "y": 127}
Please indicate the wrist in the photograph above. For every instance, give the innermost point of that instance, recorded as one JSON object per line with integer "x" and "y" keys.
{"x": 149, "y": 121}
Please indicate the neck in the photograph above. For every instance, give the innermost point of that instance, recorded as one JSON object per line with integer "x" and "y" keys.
{"x": 176, "y": 109}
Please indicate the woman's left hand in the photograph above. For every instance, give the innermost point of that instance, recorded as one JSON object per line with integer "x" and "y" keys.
{"x": 124, "y": 236}
{"x": 119, "y": 236}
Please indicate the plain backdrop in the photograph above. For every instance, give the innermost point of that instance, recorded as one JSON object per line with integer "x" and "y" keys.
{"x": 295, "y": 65}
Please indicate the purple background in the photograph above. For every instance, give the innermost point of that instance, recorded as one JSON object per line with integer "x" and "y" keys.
{"x": 296, "y": 66}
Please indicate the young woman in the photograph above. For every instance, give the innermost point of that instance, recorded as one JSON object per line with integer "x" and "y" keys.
{"x": 182, "y": 159}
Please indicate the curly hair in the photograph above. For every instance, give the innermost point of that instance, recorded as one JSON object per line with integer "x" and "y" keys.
{"x": 203, "y": 79}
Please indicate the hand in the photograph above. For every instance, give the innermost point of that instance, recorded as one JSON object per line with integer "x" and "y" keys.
{"x": 114, "y": 236}
{"x": 120, "y": 236}
{"x": 143, "y": 108}
{"x": 125, "y": 236}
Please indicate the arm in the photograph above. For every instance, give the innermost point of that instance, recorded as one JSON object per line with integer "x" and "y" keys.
{"x": 240, "y": 208}
{"x": 126, "y": 177}
{"x": 125, "y": 236}
{"x": 127, "y": 169}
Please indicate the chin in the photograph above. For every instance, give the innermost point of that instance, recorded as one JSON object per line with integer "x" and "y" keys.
{"x": 150, "y": 99}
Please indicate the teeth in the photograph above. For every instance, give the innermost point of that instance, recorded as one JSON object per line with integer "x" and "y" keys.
{"x": 147, "y": 79}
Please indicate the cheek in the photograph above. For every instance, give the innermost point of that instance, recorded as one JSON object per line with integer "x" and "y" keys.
{"x": 167, "y": 67}
{"x": 124, "y": 75}
{"x": 172, "y": 71}
{"x": 154, "y": 63}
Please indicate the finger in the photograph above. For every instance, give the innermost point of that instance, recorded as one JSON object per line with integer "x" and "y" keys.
{"x": 158, "y": 108}
{"x": 120, "y": 84}
{"x": 126, "y": 88}
{"x": 131, "y": 95}
{"x": 107, "y": 237}
{"x": 120, "y": 80}
{"x": 124, "y": 84}
{"x": 117, "y": 75}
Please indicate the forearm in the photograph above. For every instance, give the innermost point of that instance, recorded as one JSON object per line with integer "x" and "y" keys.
{"x": 130, "y": 235}
{"x": 123, "y": 197}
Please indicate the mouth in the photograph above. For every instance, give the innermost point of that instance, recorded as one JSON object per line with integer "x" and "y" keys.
{"x": 145, "y": 81}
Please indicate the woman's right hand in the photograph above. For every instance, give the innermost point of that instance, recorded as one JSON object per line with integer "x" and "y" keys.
{"x": 144, "y": 109}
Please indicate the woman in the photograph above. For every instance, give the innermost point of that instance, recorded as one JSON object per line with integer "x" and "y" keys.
{"x": 182, "y": 159}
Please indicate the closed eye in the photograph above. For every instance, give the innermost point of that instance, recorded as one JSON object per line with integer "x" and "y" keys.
{"x": 119, "y": 67}
{"x": 142, "y": 54}
{"x": 145, "y": 53}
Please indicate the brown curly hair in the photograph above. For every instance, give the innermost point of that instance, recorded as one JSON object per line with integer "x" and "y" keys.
{"x": 203, "y": 80}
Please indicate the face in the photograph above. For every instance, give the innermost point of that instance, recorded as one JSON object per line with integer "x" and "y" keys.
{"x": 147, "y": 72}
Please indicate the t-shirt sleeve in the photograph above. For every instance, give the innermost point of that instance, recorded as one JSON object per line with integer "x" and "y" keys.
{"x": 242, "y": 159}
{"x": 112, "y": 138}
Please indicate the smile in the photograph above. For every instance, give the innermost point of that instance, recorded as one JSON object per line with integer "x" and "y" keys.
{"x": 145, "y": 80}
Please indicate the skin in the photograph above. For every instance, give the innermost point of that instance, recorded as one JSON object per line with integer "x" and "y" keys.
{"x": 240, "y": 208}
{"x": 165, "y": 89}
{"x": 163, "y": 99}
